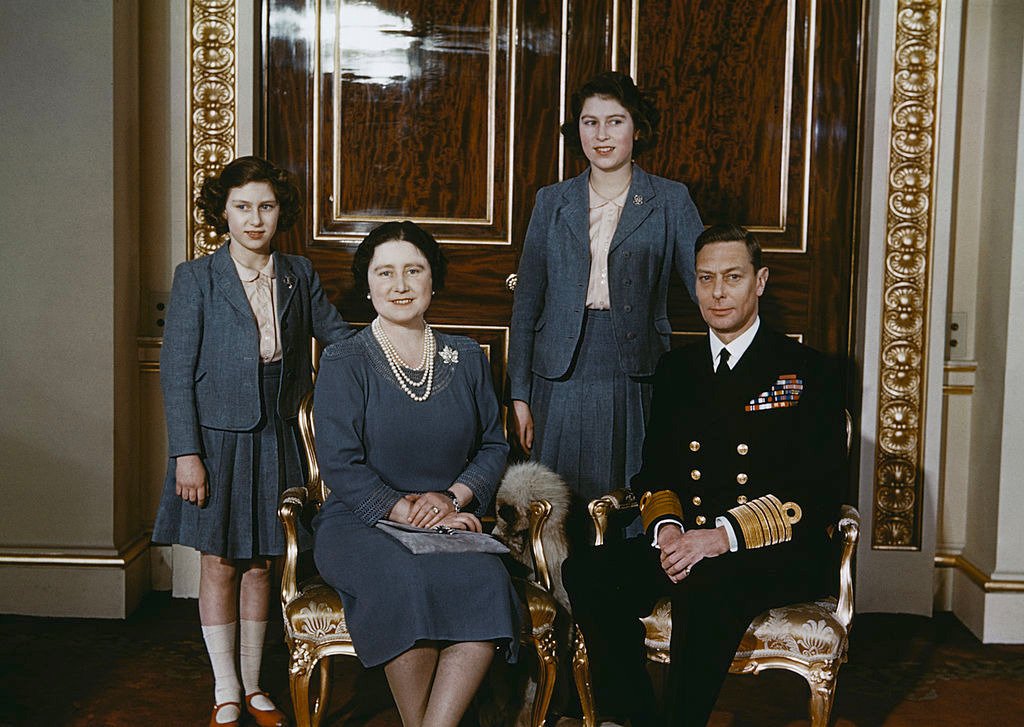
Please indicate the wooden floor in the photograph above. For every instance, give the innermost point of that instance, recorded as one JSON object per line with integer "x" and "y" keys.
{"x": 152, "y": 670}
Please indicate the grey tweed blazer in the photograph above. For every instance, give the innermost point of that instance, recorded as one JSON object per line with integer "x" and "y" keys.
{"x": 210, "y": 362}
{"x": 656, "y": 232}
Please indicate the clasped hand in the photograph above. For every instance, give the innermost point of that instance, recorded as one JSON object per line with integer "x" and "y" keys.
{"x": 432, "y": 508}
{"x": 681, "y": 551}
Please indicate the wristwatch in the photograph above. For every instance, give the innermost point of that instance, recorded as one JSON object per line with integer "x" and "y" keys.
{"x": 455, "y": 500}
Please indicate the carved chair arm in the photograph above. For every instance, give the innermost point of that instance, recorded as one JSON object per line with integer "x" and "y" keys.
{"x": 602, "y": 507}
{"x": 540, "y": 510}
{"x": 849, "y": 526}
{"x": 289, "y": 510}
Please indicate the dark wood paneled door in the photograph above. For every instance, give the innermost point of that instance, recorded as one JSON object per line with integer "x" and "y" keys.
{"x": 446, "y": 112}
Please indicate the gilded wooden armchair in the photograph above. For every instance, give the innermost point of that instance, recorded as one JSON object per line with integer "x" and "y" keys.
{"x": 810, "y": 639}
{"x": 314, "y": 619}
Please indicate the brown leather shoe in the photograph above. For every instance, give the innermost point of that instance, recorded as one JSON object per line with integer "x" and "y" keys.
{"x": 265, "y": 717}
{"x": 219, "y": 707}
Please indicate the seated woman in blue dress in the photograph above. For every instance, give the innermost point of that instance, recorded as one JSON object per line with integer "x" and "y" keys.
{"x": 408, "y": 430}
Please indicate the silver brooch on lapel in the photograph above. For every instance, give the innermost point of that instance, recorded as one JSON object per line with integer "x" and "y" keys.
{"x": 449, "y": 355}
{"x": 638, "y": 199}
{"x": 289, "y": 281}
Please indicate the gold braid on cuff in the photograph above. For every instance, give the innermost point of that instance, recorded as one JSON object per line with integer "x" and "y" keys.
{"x": 765, "y": 521}
{"x": 656, "y": 505}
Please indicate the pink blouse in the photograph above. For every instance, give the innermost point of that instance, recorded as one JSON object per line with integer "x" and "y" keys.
{"x": 262, "y": 294}
{"x": 604, "y": 219}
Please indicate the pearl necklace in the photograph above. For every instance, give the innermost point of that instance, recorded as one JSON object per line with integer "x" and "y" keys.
{"x": 397, "y": 365}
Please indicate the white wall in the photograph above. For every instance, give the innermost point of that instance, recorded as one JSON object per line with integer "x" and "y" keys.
{"x": 68, "y": 310}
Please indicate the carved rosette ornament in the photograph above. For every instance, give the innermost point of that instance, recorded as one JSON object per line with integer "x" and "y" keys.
{"x": 909, "y": 229}
{"x": 212, "y": 121}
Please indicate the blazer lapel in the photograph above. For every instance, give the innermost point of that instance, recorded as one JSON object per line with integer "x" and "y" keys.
{"x": 287, "y": 283}
{"x": 576, "y": 211}
{"x": 228, "y": 281}
{"x": 639, "y": 204}
{"x": 703, "y": 383}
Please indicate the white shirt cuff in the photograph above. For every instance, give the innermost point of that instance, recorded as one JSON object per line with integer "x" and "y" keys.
{"x": 657, "y": 527}
{"x": 734, "y": 544}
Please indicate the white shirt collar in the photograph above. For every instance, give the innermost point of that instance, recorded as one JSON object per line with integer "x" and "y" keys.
{"x": 737, "y": 347}
{"x": 248, "y": 274}
{"x": 597, "y": 201}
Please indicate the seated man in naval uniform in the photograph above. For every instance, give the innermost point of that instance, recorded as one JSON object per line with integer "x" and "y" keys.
{"x": 744, "y": 463}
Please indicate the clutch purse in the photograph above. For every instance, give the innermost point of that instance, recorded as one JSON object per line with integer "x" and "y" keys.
{"x": 441, "y": 539}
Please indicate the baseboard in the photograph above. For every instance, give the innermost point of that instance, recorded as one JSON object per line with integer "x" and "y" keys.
{"x": 94, "y": 583}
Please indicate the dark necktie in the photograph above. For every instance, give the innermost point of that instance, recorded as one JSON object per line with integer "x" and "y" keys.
{"x": 723, "y": 363}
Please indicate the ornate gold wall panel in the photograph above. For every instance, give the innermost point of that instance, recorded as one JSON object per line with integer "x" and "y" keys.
{"x": 899, "y": 475}
{"x": 212, "y": 94}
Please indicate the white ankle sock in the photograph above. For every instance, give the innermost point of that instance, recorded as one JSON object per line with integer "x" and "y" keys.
{"x": 251, "y": 654}
{"x": 220, "y": 644}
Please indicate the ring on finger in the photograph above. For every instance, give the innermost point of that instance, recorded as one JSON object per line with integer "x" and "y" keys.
{"x": 686, "y": 570}
{"x": 436, "y": 509}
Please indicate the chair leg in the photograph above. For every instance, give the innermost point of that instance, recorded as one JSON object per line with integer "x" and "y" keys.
{"x": 324, "y": 699}
{"x": 822, "y": 682}
{"x": 299, "y": 672}
{"x": 547, "y": 662}
{"x": 581, "y": 674}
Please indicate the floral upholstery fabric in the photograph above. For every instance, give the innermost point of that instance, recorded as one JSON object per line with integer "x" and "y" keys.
{"x": 316, "y": 615}
{"x": 806, "y": 631}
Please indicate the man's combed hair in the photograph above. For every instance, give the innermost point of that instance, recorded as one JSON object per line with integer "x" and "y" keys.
{"x": 213, "y": 196}
{"x": 730, "y": 232}
{"x": 620, "y": 87}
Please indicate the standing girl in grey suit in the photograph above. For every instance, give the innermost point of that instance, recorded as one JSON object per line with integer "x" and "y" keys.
{"x": 235, "y": 363}
{"x": 589, "y": 320}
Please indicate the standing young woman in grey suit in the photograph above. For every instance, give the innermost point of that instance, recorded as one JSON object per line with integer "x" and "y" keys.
{"x": 589, "y": 320}
{"x": 235, "y": 363}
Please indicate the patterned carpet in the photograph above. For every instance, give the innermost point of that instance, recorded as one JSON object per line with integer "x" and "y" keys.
{"x": 152, "y": 670}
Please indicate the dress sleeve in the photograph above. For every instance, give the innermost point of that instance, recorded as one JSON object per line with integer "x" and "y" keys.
{"x": 528, "y": 303}
{"x": 483, "y": 472}
{"x": 339, "y": 411}
{"x": 183, "y": 333}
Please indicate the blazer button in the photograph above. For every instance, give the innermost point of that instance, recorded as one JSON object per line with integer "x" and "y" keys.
{"x": 696, "y": 500}
{"x": 700, "y": 519}
{"x": 742, "y": 448}
{"x": 694, "y": 474}
{"x": 741, "y": 478}
{"x": 741, "y": 500}
{"x": 627, "y": 308}
{"x": 627, "y": 282}
{"x": 694, "y": 446}
{"x": 627, "y": 253}
{"x": 630, "y": 336}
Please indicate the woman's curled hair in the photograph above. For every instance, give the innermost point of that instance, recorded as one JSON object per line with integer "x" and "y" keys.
{"x": 213, "y": 196}
{"x": 404, "y": 231}
{"x": 620, "y": 87}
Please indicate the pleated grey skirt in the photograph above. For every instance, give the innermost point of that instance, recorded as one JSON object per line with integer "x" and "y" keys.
{"x": 589, "y": 425}
{"x": 247, "y": 472}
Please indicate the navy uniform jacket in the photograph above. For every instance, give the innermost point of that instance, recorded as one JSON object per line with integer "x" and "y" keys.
{"x": 655, "y": 234}
{"x": 210, "y": 360}
{"x": 775, "y": 427}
